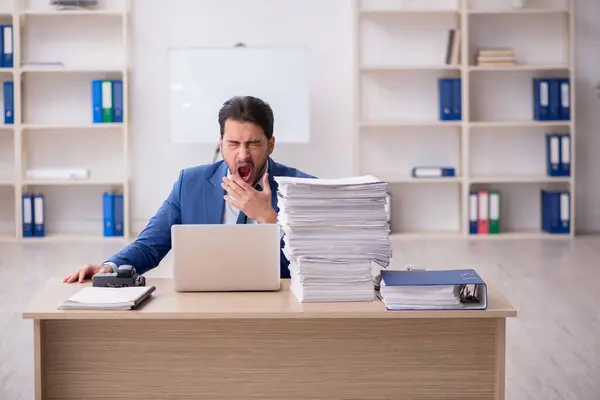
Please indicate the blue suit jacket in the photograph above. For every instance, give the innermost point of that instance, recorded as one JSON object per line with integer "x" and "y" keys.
{"x": 196, "y": 198}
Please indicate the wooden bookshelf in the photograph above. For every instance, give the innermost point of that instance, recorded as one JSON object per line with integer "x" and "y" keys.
{"x": 399, "y": 55}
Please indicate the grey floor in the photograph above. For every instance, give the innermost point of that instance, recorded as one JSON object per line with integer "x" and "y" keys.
{"x": 553, "y": 347}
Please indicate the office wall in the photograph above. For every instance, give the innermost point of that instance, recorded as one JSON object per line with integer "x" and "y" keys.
{"x": 326, "y": 26}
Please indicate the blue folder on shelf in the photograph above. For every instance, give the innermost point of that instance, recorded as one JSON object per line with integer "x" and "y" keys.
{"x": 459, "y": 289}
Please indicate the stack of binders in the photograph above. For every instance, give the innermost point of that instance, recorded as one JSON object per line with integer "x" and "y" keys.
{"x": 551, "y": 99}
{"x": 33, "y": 215}
{"x": 112, "y": 214}
{"x": 558, "y": 154}
{"x": 556, "y": 211}
{"x": 450, "y": 99}
{"x": 334, "y": 230}
{"x": 484, "y": 212}
{"x": 107, "y": 101}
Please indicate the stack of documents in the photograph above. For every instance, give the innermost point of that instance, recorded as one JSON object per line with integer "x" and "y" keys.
{"x": 334, "y": 229}
{"x": 433, "y": 290}
{"x": 105, "y": 298}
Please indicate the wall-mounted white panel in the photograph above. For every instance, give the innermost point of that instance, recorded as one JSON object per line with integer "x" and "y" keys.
{"x": 202, "y": 79}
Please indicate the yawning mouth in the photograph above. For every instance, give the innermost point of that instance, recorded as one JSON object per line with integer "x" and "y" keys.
{"x": 245, "y": 172}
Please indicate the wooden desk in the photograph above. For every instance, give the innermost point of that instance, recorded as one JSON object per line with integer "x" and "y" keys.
{"x": 264, "y": 346}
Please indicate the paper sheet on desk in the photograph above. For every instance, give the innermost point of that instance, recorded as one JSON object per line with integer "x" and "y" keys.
{"x": 106, "y": 298}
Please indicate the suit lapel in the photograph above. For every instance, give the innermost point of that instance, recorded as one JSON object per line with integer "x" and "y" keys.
{"x": 214, "y": 203}
{"x": 272, "y": 169}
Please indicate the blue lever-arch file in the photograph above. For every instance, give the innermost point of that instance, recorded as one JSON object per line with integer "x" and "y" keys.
{"x": 429, "y": 281}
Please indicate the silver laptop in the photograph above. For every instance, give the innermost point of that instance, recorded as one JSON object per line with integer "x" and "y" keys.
{"x": 226, "y": 257}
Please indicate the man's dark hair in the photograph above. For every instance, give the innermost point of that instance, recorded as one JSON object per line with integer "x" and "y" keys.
{"x": 247, "y": 109}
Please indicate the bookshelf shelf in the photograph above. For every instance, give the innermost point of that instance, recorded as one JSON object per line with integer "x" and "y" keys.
{"x": 70, "y": 70}
{"x": 519, "y": 68}
{"x": 73, "y": 237}
{"x": 400, "y": 68}
{"x": 520, "y": 124}
{"x": 65, "y": 127}
{"x": 496, "y": 144}
{"x": 415, "y": 124}
{"x": 72, "y": 182}
{"x": 409, "y": 179}
{"x": 524, "y": 235}
{"x": 518, "y": 11}
{"x": 387, "y": 12}
{"x": 55, "y": 61}
{"x": 518, "y": 179}
{"x": 71, "y": 13}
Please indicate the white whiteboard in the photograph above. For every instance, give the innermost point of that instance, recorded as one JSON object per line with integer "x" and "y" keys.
{"x": 202, "y": 79}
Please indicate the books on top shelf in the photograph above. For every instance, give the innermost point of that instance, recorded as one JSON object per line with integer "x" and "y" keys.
{"x": 495, "y": 58}
{"x": 453, "y": 47}
{"x": 107, "y": 101}
{"x": 335, "y": 232}
{"x": 433, "y": 290}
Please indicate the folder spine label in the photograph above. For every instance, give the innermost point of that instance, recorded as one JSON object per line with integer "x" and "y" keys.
{"x": 7, "y": 46}
{"x": 473, "y": 213}
{"x": 483, "y": 226}
{"x": 27, "y": 204}
{"x": 494, "y": 212}
{"x": 107, "y": 102}
{"x": 565, "y": 155}
{"x": 38, "y": 215}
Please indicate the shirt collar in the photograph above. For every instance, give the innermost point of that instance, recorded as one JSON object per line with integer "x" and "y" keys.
{"x": 259, "y": 183}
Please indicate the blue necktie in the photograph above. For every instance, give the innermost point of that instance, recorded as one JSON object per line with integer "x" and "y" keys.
{"x": 243, "y": 218}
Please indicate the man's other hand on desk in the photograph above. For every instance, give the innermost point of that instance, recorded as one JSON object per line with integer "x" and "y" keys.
{"x": 87, "y": 272}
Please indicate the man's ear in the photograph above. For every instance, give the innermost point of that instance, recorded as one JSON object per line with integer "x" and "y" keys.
{"x": 271, "y": 144}
{"x": 221, "y": 145}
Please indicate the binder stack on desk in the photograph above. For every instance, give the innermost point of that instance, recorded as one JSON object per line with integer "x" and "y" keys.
{"x": 334, "y": 230}
{"x": 433, "y": 290}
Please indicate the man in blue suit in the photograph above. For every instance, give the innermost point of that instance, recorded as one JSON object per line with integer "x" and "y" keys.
{"x": 238, "y": 190}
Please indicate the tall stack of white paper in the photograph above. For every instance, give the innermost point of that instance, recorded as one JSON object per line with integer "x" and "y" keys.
{"x": 334, "y": 229}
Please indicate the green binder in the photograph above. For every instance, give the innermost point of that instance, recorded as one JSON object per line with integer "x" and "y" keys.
{"x": 494, "y": 212}
{"x": 107, "y": 102}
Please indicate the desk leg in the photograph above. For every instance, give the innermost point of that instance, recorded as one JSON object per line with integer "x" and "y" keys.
{"x": 38, "y": 336}
{"x": 500, "y": 358}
